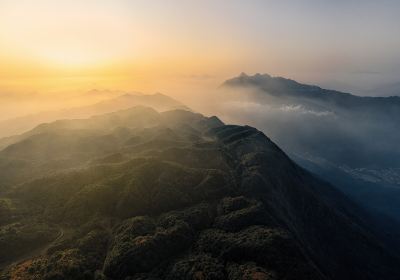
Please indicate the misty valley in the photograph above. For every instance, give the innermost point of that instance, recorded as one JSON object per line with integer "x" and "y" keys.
{"x": 144, "y": 187}
{"x": 199, "y": 140}
{"x": 348, "y": 140}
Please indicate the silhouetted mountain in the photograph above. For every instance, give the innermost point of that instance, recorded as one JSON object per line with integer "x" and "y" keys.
{"x": 157, "y": 101}
{"x": 139, "y": 194}
{"x": 352, "y": 141}
{"x": 279, "y": 86}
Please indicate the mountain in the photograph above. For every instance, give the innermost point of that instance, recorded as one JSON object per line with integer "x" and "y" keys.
{"x": 158, "y": 101}
{"x": 314, "y": 97}
{"x": 139, "y": 194}
{"x": 349, "y": 140}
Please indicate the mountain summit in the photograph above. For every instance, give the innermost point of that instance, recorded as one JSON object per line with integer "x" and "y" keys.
{"x": 138, "y": 194}
{"x": 291, "y": 88}
{"x": 158, "y": 101}
{"x": 351, "y": 141}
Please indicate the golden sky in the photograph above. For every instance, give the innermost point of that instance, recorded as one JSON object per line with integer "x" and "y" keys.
{"x": 99, "y": 41}
{"x": 158, "y": 45}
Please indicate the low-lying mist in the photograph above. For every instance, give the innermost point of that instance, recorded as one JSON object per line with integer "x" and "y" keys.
{"x": 328, "y": 132}
{"x": 350, "y": 141}
{"x": 357, "y": 138}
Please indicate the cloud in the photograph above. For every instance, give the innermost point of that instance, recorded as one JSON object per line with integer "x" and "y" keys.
{"x": 255, "y": 108}
{"x": 301, "y": 110}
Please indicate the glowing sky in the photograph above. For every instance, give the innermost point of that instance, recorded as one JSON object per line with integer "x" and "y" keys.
{"x": 349, "y": 43}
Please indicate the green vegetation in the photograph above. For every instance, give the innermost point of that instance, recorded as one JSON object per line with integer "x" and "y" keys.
{"x": 142, "y": 195}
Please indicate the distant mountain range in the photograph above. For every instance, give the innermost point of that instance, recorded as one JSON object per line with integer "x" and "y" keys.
{"x": 349, "y": 140}
{"x": 157, "y": 101}
{"x": 139, "y": 194}
{"x": 314, "y": 96}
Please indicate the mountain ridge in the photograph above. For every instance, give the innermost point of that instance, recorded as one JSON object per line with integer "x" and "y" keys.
{"x": 177, "y": 194}
{"x": 158, "y": 101}
{"x": 352, "y": 138}
{"x": 257, "y": 79}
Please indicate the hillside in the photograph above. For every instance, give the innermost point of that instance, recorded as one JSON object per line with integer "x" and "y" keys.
{"x": 279, "y": 86}
{"x": 349, "y": 140}
{"x": 139, "y": 194}
{"x": 158, "y": 101}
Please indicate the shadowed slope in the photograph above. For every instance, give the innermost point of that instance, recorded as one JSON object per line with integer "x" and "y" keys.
{"x": 177, "y": 195}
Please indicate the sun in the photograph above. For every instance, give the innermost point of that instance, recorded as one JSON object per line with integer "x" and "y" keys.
{"x": 65, "y": 34}
{"x": 71, "y": 58}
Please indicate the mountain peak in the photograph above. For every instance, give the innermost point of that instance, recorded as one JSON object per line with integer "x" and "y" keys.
{"x": 256, "y": 76}
{"x": 278, "y": 86}
{"x": 222, "y": 198}
{"x": 248, "y": 80}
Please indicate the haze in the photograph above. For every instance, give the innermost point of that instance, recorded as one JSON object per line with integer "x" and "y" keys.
{"x": 209, "y": 139}
{"x": 61, "y": 48}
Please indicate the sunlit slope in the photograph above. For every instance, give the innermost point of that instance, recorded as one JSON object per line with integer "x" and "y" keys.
{"x": 158, "y": 101}
{"x": 177, "y": 195}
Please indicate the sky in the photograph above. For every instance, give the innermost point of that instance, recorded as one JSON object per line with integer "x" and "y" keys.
{"x": 171, "y": 45}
